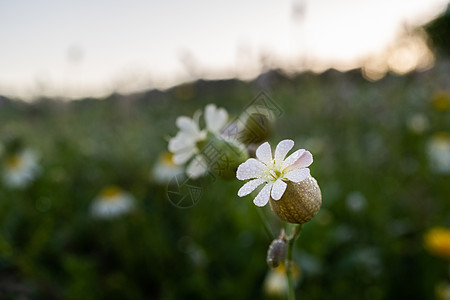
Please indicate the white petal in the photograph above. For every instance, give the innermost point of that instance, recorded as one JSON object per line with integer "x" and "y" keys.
{"x": 215, "y": 118}
{"x": 292, "y": 158}
{"x": 297, "y": 175}
{"x": 187, "y": 125}
{"x": 282, "y": 149}
{"x": 278, "y": 189}
{"x": 181, "y": 141}
{"x": 250, "y": 187}
{"x": 264, "y": 195}
{"x": 197, "y": 167}
{"x": 181, "y": 157}
{"x": 252, "y": 168}
{"x": 305, "y": 160}
{"x": 264, "y": 153}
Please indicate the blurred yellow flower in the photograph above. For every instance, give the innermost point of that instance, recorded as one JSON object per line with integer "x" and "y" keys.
{"x": 111, "y": 202}
{"x": 276, "y": 282}
{"x": 441, "y": 100}
{"x": 437, "y": 241}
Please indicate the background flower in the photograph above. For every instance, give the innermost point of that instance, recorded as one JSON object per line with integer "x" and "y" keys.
{"x": 185, "y": 144}
{"x": 20, "y": 169}
{"x": 165, "y": 169}
{"x": 112, "y": 202}
{"x": 437, "y": 241}
{"x": 439, "y": 152}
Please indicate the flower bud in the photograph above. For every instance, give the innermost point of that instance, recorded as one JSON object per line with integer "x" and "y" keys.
{"x": 276, "y": 252}
{"x": 257, "y": 129}
{"x": 222, "y": 156}
{"x": 299, "y": 203}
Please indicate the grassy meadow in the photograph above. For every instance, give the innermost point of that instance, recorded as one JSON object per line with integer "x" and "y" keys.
{"x": 382, "y": 189}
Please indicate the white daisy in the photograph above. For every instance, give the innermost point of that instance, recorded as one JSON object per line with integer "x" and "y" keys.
{"x": 165, "y": 169}
{"x": 273, "y": 172}
{"x": 20, "y": 169}
{"x": 438, "y": 149}
{"x": 184, "y": 145}
{"x": 112, "y": 202}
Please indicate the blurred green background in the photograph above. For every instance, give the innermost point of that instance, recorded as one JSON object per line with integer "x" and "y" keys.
{"x": 370, "y": 142}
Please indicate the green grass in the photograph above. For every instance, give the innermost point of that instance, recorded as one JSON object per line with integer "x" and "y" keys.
{"x": 357, "y": 130}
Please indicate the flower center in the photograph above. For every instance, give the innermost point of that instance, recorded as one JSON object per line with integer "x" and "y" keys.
{"x": 275, "y": 172}
{"x": 110, "y": 193}
{"x": 13, "y": 162}
{"x": 167, "y": 159}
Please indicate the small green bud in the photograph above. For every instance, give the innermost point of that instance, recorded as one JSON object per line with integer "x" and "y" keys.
{"x": 299, "y": 203}
{"x": 277, "y": 251}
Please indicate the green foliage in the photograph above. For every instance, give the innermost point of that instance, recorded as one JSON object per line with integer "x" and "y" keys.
{"x": 379, "y": 195}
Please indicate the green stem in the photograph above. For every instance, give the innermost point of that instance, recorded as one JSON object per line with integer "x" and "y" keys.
{"x": 265, "y": 223}
{"x": 295, "y": 233}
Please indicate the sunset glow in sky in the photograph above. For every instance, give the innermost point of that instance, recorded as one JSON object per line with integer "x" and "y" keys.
{"x": 92, "y": 48}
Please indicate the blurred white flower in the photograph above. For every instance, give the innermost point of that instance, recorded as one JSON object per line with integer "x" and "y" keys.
{"x": 276, "y": 282}
{"x": 184, "y": 145}
{"x": 439, "y": 152}
{"x": 112, "y": 202}
{"x": 418, "y": 123}
{"x": 20, "y": 169}
{"x": 165, "y": 169}
{"x": 215, "y": 118}
{"x": 273, "y": 171}
{"x": 355, "y": 201}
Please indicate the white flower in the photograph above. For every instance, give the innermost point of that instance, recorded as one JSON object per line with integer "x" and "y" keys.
{"x": 215, "y": 118}
{"x": 418, "y": 123}
{"x": 184, "y": 145}
{"x": 438, "y": 149}
{"x": 112, "y": 202}
{"x": 273, "y": 172}
{"x": 276, "y": 281}
{"x": 20, "y": 169}
{"x": 165, "y": 169}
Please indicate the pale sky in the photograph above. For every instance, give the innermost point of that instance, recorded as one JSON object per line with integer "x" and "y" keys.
{"x": 94, "y": 47}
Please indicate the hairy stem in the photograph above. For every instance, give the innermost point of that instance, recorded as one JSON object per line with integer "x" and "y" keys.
{"x": 295, "y": 233}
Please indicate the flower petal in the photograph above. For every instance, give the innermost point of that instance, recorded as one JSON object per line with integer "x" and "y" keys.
{"x": 252, "y": 168}
{"x": 215, "y": 118}
{"x": 181, "y": 157}
{"x": 197, "y": 167}
{"x": 305, "y": 160}
{"x": 278, "y": 189}
{"x": 187, "y": 125}
{"x": 250, "y": 187}
{"x": 264, "y": 153}
{"x": 297, "y": 175}
{"x": 292, "y": 158}
{"x": 181, "y": 141}
{"x": 282, "y": 149}
{"x": 264, "y": 195}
